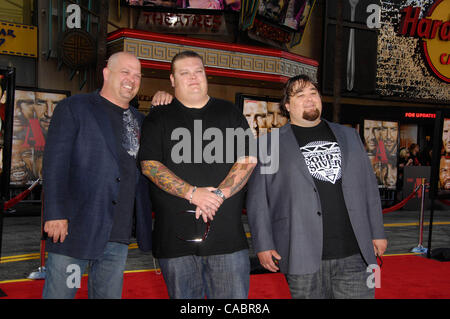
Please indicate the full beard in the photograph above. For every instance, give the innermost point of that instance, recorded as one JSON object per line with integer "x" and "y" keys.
{"x": 446, "y": 184}
{"x": 311, "y": 115}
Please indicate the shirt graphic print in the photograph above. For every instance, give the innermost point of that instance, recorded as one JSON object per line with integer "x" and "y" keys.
{"x": 130, "y": 138}
{"x": 323, "y": 159}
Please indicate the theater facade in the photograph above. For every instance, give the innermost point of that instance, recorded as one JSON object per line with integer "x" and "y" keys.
{"x": 386, "y": 61}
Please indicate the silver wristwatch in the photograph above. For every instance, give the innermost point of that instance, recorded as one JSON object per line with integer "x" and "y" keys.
{"x": 219, "y": 193}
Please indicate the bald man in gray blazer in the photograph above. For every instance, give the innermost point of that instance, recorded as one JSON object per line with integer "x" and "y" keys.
{"x": 316, "y": 216}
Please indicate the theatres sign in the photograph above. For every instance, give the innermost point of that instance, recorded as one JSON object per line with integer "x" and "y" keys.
{"x": 434, "y": 31}
{"x": 182, "y": 23}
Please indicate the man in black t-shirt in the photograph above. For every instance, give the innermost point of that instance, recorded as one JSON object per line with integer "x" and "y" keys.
{"x": 317, "y": 218}
{"x": 198, "y": 173}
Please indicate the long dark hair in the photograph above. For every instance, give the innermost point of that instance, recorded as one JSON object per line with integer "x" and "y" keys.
{"x": 288, "y": 90}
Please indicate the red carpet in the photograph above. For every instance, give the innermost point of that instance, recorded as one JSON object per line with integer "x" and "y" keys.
{"x": 402, "y": 277}
{"x": 414, "y": 277}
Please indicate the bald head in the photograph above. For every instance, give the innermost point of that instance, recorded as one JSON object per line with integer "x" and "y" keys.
{"x": 122, "y": 78}
{"x": 116, "y": 57}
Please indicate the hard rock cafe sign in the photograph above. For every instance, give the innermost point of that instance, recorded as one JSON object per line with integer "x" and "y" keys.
{"x": 433, "y": 29}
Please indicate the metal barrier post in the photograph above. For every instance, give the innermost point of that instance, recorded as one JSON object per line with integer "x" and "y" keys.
{"x": 430, "y": 229}
{"x": 40, "y": 273}
{"x": 420, "y": 249}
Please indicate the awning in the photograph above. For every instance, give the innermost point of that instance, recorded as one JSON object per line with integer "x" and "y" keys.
{"x": 222, "y": 60}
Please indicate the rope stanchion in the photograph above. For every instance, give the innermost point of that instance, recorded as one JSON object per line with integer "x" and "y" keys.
{"x": 13, "y": 201}
{"x": 386, "y": 210}
{"x": 402, "y": 203}
{"x": 21, "y": 196}
{"x": 420, "y": 249}
{"x": 40, "y": 273}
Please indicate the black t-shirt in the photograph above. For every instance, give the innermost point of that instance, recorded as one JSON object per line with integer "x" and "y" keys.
{"x": 323, "y": 159}
{"x": 172, "y": 135}
{"x": 124, "y": 207}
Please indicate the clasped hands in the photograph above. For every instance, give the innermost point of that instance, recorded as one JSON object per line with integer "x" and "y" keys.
{"x": 206, "y": 201}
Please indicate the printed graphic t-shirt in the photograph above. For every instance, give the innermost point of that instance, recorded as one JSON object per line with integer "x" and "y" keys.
{"x": 322, "y": 156}
{"x": 126, "y": 129}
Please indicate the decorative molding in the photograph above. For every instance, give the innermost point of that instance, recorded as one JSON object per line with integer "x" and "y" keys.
{"x": 238, "y": 61}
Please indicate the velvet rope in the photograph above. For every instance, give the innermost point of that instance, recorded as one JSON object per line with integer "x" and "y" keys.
{"x": 444, "y": 201}
{"x": 389, "y": 209}
{"x": 21, "y": 196}
{"x": 402, "y": 203}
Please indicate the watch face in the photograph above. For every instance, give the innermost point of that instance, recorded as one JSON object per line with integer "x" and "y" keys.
{"x": 219, "y": 193}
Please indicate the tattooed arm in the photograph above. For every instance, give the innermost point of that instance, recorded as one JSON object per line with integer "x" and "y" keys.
{"x": 166, "y": 179}
{"x": 238, "y": 176}
{"x": 207, "y": 203}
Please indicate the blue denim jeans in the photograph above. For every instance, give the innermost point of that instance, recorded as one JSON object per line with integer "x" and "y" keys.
{"x": 343, "y": 278}
{"x": 216, "y": 277}
{"x": 63, "y": 274}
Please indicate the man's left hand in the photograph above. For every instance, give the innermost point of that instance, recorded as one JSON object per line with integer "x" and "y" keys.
{"x": 162, "y": 98}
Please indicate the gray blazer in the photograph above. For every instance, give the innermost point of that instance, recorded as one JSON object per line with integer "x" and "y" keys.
{"x": 284, "y": 208}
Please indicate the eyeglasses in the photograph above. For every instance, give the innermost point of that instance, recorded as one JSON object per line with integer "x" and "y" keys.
{"x": 198, "y": 223}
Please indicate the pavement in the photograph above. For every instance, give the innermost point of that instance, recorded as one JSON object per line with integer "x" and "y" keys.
{"x": 20, "y": 253}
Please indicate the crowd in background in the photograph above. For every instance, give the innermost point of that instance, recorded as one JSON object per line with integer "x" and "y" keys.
{"x": 412, "y": 156}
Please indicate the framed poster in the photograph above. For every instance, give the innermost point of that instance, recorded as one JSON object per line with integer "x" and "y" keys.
{"x": 33, "y": 110}
{"x": 7, "y": 85}
{"x": 381, "y": 140}
{"x": 440, "y": 165}
{"x": 293, "y": 14}
{"x": 262, "y": 113}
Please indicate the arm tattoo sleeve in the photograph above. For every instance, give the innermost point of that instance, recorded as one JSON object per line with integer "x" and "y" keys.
{"x": 164, "y": 178}
{"x": 236, "y": 178}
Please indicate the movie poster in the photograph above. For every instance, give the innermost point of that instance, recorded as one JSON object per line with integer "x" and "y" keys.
{"x": 381, "y": 142}
{"x": 262, "y": 115}
{"x": 190, "y": 4}
{"x": 293, "y": 14}
{"x": 33, "y": 111}
{"x": 444, "y": 160}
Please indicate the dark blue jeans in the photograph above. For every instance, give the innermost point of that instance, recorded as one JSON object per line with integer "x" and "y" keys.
{"x": 344, "y": 278}
{"x": 216, "y": 277}
{"x": 63, "y": 274}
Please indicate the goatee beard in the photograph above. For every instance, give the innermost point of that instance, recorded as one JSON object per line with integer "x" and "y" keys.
{"x": 311, "y": 115}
